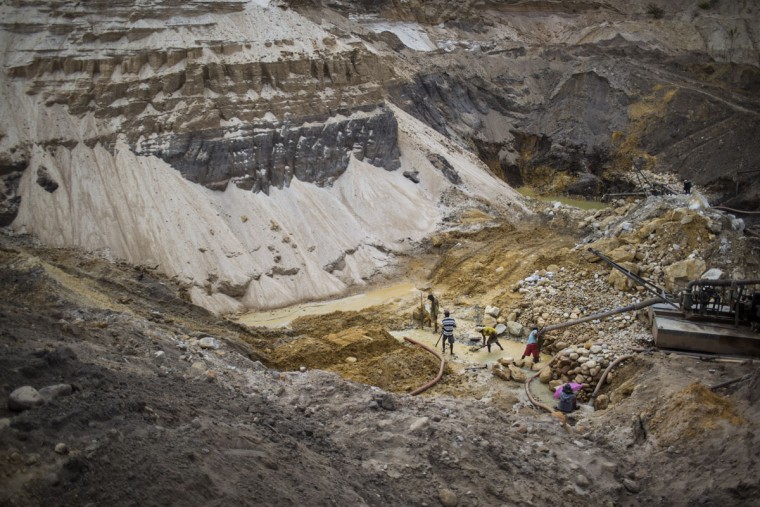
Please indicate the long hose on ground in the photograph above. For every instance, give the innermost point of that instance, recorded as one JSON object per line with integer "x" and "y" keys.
{"x": 593, "y": 395}
{"x": 527, "y": 388}
{"x": 732, "y": 210}
{"x": 604, "y": 375}
{"x": 440, "y": 370}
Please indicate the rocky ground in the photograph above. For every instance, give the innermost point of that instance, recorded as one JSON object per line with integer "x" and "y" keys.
{"x": 136, "y": 397}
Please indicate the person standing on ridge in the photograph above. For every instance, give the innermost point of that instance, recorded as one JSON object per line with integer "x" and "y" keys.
{"x": 433, "y": 312}
{"x": 532, "y": 347}
{"x": 448, "y": 324}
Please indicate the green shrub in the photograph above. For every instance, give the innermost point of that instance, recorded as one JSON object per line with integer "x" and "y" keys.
{"x": 655, "y": 11}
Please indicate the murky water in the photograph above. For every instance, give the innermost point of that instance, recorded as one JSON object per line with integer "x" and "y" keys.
{"x": 284, "y": 316}
{"x": 578, "y": 203}
{"x": 463, "y": 356}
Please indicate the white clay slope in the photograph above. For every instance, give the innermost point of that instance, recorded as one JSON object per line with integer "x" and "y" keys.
{"x": 239, "y": 249}
{"x": 234, "y": 249}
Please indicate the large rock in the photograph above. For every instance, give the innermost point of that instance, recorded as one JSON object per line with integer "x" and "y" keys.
{"x": 621, "y": 282}
{"x": 448, "y": 498}
{"x": 545, "y": 376}
{"x": 516, "y": 373}
{"x": 601, "y": 402}
{"x": 49, "y": 393}
{"x": 24, "y": 398}
{"x": 501, "y": 373}
{"x": 493, "y": 311}
{"x": 625, "y": 253}
{"x": 515, "y": 328}
{"x": 680, "y": 273}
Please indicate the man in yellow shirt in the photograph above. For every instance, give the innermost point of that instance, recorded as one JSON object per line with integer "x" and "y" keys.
{"x": 490, "y": 337}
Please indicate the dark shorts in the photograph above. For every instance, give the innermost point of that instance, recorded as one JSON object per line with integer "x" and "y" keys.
{"x": 450, "y": 338}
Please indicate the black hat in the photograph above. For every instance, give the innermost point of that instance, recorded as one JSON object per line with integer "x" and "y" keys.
{"x": 568, "y": 388}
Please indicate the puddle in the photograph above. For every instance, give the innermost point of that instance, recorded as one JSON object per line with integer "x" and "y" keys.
{"x": 578, "y": 203}
{"x": 284, "y": 316}
{"x": 464, "y": 357}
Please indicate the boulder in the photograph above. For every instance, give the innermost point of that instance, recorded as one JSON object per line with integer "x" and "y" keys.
{"x": 516, "y": 373}
{"x": 545, "y": 376}
{"x": 208, "y": 342}
{"x": 49, "y": 393}
{"x": 419, "y": 423}
{"x": 601, "y": 402}
{"x": 515, "y": 328}
{"x": 625, "y": 253}
{"x": 682, "y": 272}
{"x": 554, "y": 384}
{"x": 493, "y": 311}
{"x": 501, "y": 373}
{"x": 712, "y": 274}
{"x": 500, "y": 329}
{"x": 621, "y": 282}
{"x": 448, "y": 498}
{"x": 24, "y": 398}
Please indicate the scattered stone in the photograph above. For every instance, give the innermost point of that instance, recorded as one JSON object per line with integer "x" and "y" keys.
{"x": 448, "y": 498}
{"x": 516, "y": 373}
{"x": 545, "y": 375}
{"x": 631, "y": 485}
{"x": 198, "y": 366}
{"x": 386, "y": 401}
{"x": 581, "y": 480}
{"x": 602, "y": 402}
{"x": 302, "y": 368}
{"x": 208, "y": 343}
{"x": 52, "y": 392}
{"x": 515, "y": 328}
{"x": 418, "y": 424}
{"x": 501, "y": 373}
{"x": 351, "y": 359}
{"x": 61, "y": 448}
{"x": 493, "y": 311}
{"x": 24, "y": 398}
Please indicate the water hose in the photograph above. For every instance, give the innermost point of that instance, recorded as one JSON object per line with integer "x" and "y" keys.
{"x": 604, "y": 375}
{"x": 532, "y": 399}
{"x": 527, "y": 388}
{"x": 732, "y": 210}
{"x": 433, "y": 382}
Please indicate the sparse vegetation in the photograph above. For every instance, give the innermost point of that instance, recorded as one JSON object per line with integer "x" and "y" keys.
{"x": 655, "y": 11}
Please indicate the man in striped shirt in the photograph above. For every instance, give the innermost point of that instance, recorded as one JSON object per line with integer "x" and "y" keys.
{"x": 448, "y": 324}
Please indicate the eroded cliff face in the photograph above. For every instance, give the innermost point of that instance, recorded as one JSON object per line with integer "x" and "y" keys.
{"x": 565, "y": 96}
{"x": 256, "y": 156}
{"x": 219, "y": 91}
